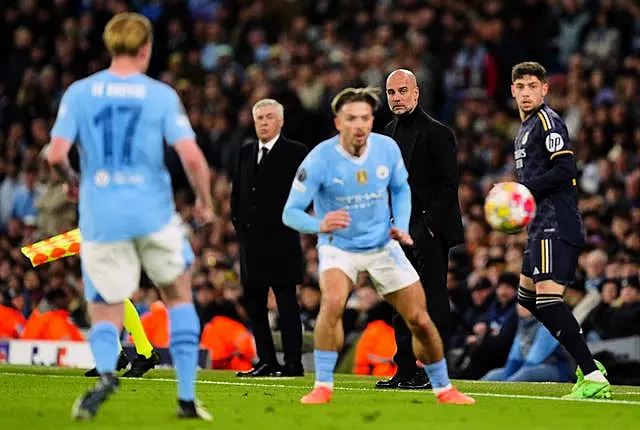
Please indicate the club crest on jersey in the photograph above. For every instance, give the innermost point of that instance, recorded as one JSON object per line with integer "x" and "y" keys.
{"x": 102, "y": 178}
{"x": 362, "y": 177}
{"x": 382, "y": 172}
{"x": 554, "y": 142}
{"x": 525, "y": 138}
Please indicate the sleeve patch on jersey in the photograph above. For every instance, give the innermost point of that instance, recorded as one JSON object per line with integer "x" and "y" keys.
{"x": 554, "y": 142}
{"x": 62, "y": 112}
{"x": 299, "y": 186}
{"x": 302, "y": 175}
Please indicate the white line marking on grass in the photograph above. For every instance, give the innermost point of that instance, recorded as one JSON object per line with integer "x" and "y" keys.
{"x": 306, "y": 387}
{"x": 526, "y": 396}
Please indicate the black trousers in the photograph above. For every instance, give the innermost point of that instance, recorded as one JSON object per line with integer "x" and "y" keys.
{"x": 290, "y": 326}
{"x": 430, "y": 258}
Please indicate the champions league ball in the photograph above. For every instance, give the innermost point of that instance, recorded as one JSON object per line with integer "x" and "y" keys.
{"x": 509, "y": 207}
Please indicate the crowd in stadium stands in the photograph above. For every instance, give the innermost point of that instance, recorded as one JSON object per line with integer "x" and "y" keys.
{"x": 224, "y": 55}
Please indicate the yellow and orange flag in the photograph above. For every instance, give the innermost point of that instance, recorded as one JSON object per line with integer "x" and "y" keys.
{"x": 54, "y": 248}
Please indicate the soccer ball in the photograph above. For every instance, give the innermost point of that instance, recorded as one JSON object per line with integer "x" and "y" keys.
{"x": 509, "y": 207}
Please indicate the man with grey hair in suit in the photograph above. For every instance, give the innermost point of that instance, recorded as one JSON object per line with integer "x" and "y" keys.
{"x": 270, "y": 252}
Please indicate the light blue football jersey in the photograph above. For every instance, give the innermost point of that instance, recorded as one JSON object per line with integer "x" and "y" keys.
{"x": 334, "y": 179}
{"x": 119, "y": 124}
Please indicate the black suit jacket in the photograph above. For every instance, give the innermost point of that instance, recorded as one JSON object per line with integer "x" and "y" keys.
{"x": 270, "y": 252}
{"x": 431, "y": 159}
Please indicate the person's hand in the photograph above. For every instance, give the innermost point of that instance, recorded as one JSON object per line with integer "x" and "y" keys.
{"x": 472, "y": 339}
{"x": 401, "y": 236}
{"x": 335, "y": 220}
{"x": 203, "y": 212}
{"x": 480, "y": 329}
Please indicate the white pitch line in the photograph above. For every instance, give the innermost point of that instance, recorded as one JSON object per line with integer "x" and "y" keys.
{"x": 253, "y": 384}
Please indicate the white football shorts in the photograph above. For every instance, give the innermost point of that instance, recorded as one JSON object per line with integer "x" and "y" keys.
{"x": 111, "y": 270}
{"x": 388, "y": 267}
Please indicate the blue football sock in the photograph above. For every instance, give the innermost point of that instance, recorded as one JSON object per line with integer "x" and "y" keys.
{"x": 325, "y": 362}
{"x": 103, "y": 339}
{"x": 438, "y": 374}
{"x": 185, "y": 338}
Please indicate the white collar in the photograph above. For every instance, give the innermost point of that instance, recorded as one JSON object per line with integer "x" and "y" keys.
{"x": 269, "y": 144}
{"x": 356, "y": 160}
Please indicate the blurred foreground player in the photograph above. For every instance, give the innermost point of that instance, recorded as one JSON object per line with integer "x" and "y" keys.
{"x": 350, "y": 179}
{"x": 546, "y": 165}
{"x": 128, "y": 220}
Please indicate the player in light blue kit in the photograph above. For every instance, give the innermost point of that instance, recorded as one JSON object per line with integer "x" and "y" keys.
{"x": 350, "y": 179}
{"x": 119, "y": 117}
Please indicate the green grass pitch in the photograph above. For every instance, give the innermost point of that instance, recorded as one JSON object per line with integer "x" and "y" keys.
{"x": 41, "y": 398}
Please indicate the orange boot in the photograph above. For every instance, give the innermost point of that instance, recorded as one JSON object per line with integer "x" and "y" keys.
{"x": 454, "y": 397}
{"x": 318, "y": 396}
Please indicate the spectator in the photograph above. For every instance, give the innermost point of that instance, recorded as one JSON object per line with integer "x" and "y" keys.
{"x": 535, "y": 355}
{"x": 625, "y": 319}
{"x": 56, "y": 210}
{"x": 26, "y": 195}
{"x": 8, "y": 189}
{"x": 597, "y": 322}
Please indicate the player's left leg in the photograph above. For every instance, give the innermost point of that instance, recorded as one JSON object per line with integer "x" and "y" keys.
{"x": 556, "y": 262}
{"x": 166, "y": 257}
{"x": 398, "y": 282}
{"x": 110, "y": 273}
{"x": 148, "y": 357}
{"x": 427, "y": 344}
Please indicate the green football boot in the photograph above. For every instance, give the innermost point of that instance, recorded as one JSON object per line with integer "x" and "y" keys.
{"x": 580, "y": 375}
{"x": 583, "y": 389}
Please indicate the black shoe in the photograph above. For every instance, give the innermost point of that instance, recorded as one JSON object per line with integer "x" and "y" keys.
{"x": 142, "y": 365}
{"x": 395, "y": 380}
{"x": 293, "y": 370}
{"x": 123, "y": 362}
{"x": 86, "y": 407}
{"x": 193, "y": 410}
{"x": 261, "y": 369}
{"x": 419, "y": 381}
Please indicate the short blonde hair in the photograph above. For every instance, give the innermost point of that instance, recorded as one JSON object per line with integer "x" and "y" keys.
{"x": 268, "y": 102}
{"x": 351, "y": 95}
{"x": 126, "y": 33}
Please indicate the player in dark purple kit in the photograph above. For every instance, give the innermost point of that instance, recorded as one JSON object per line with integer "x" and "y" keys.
{"x": 545, "y": 164}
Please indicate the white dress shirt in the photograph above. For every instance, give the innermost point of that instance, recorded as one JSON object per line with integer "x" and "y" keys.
{"x": 268, "y": 145}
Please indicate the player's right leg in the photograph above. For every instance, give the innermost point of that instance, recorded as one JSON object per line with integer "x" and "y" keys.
{"x": 111, "y": 273}
{"x": 166, "y": 257}
{"x": 527, "y": 289}
{"x": 337, "y": 276}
